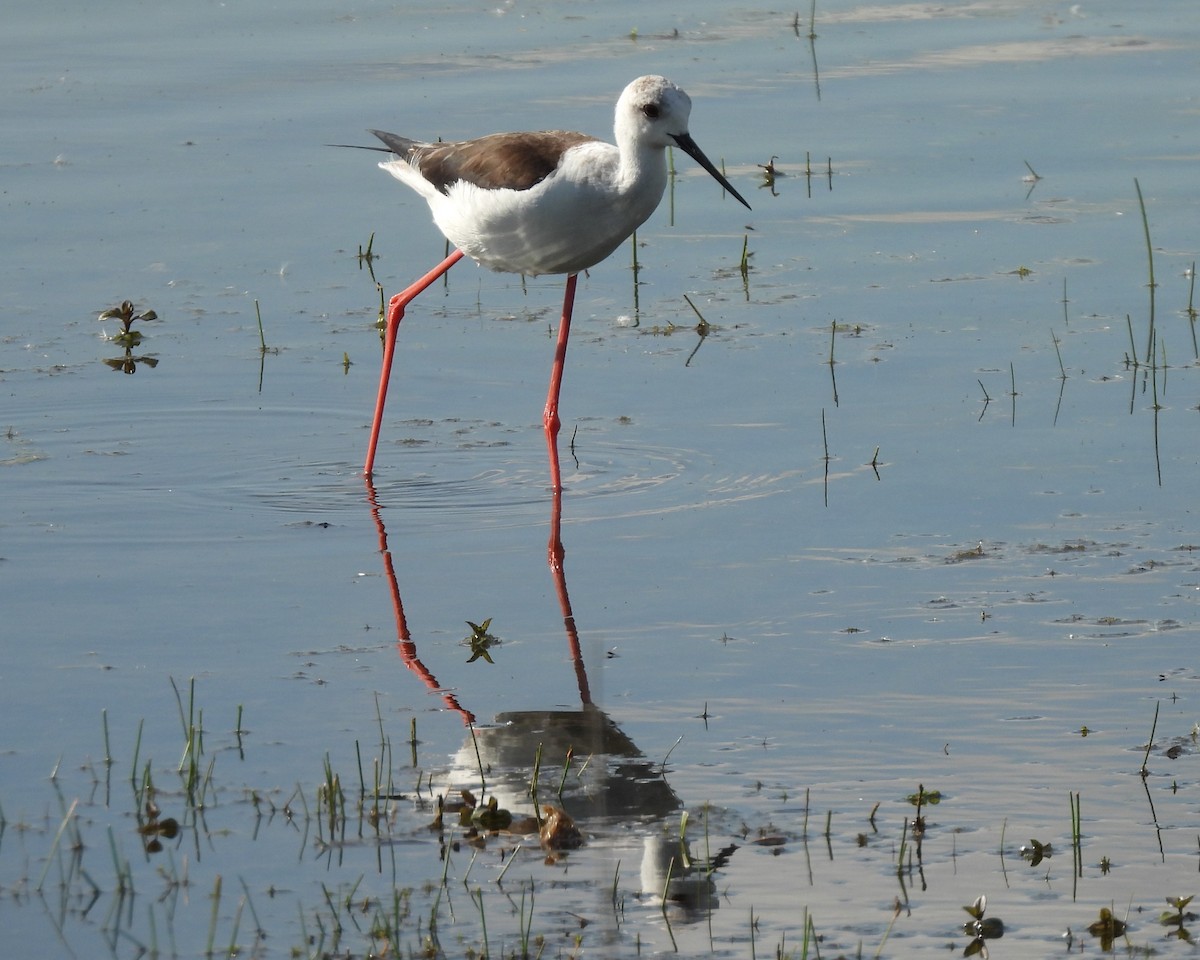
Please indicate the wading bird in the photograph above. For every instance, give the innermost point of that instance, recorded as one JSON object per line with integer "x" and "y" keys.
{"x": 542, "y": 203}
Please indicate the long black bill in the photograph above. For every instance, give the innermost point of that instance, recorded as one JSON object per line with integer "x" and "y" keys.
{"x": 688, "y": 146}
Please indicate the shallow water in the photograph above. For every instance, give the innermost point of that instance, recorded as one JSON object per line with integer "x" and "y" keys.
{"x": 833, "y": 582}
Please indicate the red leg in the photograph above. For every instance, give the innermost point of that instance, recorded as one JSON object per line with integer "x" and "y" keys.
{"x": 394, "y": 316}
{"x": 550, "y": 417}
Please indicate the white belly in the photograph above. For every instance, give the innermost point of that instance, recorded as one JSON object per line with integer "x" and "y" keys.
{"x": 558, "y": 226}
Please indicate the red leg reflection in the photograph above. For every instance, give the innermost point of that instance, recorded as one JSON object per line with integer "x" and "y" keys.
{"x": 404, "y": 642}
{"x": 555, "y": 554}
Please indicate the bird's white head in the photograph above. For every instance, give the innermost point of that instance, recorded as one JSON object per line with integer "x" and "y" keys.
{"x": 652, "y": 114}
{"x": 652, "y": 111}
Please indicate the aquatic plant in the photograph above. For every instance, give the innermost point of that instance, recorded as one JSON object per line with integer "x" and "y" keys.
{"x": 1177, "y": 916}
{"x": 981, "y": 928}
{"x": 1107, "y": 928}
{"x": 126, "y": 316}
{"x": 481, "y": 640}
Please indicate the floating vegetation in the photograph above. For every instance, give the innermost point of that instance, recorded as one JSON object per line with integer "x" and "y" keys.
{"x": 368, "y": 873}
{"x": 1107, "y": 928}
{"x": 924, "y": 797}
{"x": 558, "y": 830}
{"x": 481, "y": 641}
{"x": 153, "y": 828}
{"x": 126, "y": 315}
{"x": 769, "y": 173}
{"x": 1036, "y": 851}
{"x": 1177, "y": 916}
{"x": 972, "y": 553}
{"x": 980, "y": 928}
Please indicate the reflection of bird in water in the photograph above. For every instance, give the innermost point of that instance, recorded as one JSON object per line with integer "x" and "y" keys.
{"x": 690, "y": 885}
{"x": 542, "y": 203}
{"x": 608, "y": 777}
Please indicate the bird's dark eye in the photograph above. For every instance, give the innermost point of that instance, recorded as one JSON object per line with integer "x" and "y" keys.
{"x": 650, "y": 111}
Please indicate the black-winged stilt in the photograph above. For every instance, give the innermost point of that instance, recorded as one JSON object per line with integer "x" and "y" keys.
{"x": 542, "y": 203}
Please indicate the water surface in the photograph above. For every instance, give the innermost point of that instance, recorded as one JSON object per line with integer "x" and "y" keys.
{"x": 934, "y": 561}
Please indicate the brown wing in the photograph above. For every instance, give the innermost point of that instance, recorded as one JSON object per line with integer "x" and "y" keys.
{"x": 515, "y": 161}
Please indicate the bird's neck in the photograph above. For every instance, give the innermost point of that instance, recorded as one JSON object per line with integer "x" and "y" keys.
{"x": 644, "y": 173}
